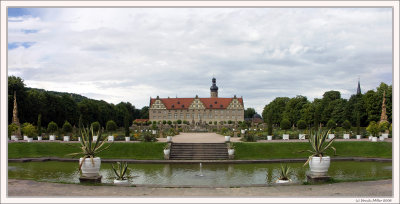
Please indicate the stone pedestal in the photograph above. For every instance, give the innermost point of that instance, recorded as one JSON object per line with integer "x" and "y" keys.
{"x": 231, "y": 156}
{"x": 317, "y": 179}
{"x": 91, "y": 179}
{"x": 166, "y": 156}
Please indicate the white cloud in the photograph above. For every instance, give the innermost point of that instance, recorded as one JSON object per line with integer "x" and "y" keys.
{"x": 131, "y": 54}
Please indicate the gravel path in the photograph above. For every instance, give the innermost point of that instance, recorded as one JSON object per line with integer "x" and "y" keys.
{"x": 29, "y": 188}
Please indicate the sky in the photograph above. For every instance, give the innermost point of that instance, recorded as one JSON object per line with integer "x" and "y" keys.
{"x": 132, "y": 54}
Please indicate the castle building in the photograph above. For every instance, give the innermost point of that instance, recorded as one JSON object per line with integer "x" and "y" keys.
{"x": 197, "y": 109}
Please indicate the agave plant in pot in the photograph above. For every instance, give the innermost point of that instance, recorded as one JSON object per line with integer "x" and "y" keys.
{"x": 89, "y": 164}
{"x": 284, "y": 174}
{"x": 319, "y": 162}
{"x": 121, "y": 172}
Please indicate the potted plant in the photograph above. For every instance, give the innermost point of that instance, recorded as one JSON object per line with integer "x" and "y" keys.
{"x": 167, "y": 149}
{"x": 347, "y": 127}
{"x": 29, "y": 130}
{"x": 111, "y": 126}
{"x": 227, "y": 138}
{"x": 52, "y": 128}
{"x": 302, "y": 125}
{"x": 318, "y": 161}
{"x": 120, "y": 171}
{"x": 384, "y": 126}
{"x": 231, "y": 149}
{"x": 89, "y": 164}
{"x": 373, "y": 129}
{"x": 96, "y": 129}
{"x": 284, "y": 174}
{"x": 285, "y": 125}
{"x": 67, "y": 128}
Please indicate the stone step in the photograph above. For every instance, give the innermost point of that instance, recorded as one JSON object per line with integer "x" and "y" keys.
{"x": 198, "y": 151}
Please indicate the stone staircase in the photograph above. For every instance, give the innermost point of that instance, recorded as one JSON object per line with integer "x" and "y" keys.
{"x": 198, "y": 151}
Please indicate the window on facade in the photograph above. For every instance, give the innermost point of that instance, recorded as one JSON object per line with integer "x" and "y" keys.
{"x": 187, "y": 115}
{"x": 175, "y": 116}
{"x": 169, "y": 115}
{"x": 159, "y": 111}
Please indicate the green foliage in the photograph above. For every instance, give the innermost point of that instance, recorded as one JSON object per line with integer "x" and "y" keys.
{"x": 373, "y": 128}
{"x": 67, "y": 127}
{"x": 210, "y": 122}
{"x": 179, "y": 121}
{"x": 111, "y": 126}
{"x": 120, "y": 170}
{"x": 249, "y": 136}
{"x": 285, "y": 124}
{"x": 215, "y": 122}
{"x": 284, "y": 172}
{"x": 12, "y": 129}
{"x": 301, "y": 124}
{"x": 154, "y": 126}
{"x": 383, "y": 126}
{"x": 39, "y": 124}
{"x": 224, "y": 130}
{"x": 164, "y": 122}
{"x": 169, "y": 122}
{"x": 229, "y": 121}
{"x": 249, "y": 112}
{"x": 96, "y": 126}
{"x": 319, "y": 144}
{"x": 29, "y": 130}
{"x": 346, "y": 125}
{"x": 147, "y": 137}
{"x": 52, "y": 127}
{"x": 276, "y": 108}
{"x": 89, "y": 147}
{"x": 331, "y": 124}
{"x": 126, "y": 125}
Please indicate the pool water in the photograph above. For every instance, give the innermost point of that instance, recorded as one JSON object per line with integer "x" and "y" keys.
{"x": 189, "y": 174}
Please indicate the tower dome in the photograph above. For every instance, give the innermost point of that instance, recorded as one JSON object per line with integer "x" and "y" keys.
{"x": 214, "y": 88}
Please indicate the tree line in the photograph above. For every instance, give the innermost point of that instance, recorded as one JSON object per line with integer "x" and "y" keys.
{"x": 60, "y": 107}
{"x": 359, "y": 109}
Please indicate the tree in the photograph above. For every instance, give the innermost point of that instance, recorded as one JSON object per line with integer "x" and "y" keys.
{"x": 29, "y": 130}
{"x": 293, "y": 108}
{"x": 67, "y": 127}
{"x": 126, "y": 125}
{"x": 12, "y": 128}
{"x": 383, "y": 126}
{"x": 96, "y": 126}
{"x": 373, "y": 105}
{"x": 249, "y": 112}
{"x": 111, "y": 126}
{"x": 301, "y": 124}
{"x": 39, "y": 124}
{"x": 52, "y": 127}
{"x": 179, "y": 122}
{"x": 144, "y": 112}
{"x": 169, "y": 122}
{"x": 285, "y": 124}
{"x": 331, "y": 124}
{"x": 346, "y": 125}
{"x": 373, "y": 128}
{"x": 276, "y": 109}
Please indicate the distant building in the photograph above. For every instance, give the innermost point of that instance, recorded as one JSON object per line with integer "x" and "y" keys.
{"x": 197, "y": 109}
{"x": 255, "y": 119}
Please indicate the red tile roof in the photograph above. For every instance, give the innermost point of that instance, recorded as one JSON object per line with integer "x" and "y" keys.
{"x": 141, "y": 120}
{"x": 184, "y": 103}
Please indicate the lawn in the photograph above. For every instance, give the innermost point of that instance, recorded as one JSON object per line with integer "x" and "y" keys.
{"x": 285, "y": 150}
{"x": 145, "y": 150}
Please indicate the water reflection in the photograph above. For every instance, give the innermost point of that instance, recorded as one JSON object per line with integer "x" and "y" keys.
{"x": 185, "y": 174}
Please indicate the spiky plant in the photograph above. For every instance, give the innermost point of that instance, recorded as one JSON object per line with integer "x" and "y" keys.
{"x": 319, "y": 144}
{"x": 120, "y": 170}
{"x": 231, "y": 145}
{"x": 284, "y": 173}
{"x": 89, "y": 147}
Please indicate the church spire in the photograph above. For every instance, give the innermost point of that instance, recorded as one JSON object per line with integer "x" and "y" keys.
{"x": 214, "y": 88}
{"x": 358, "y": 87}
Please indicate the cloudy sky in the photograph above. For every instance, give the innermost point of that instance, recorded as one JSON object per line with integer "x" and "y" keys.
{"x": 132, "y": 54}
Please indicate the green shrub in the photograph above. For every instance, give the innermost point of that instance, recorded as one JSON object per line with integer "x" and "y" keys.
{"x": 169, "y": 122}
{"x": 250, "y": 136}
{"x": 285, "y": 124}
{"x": 29, "y": 130}
{"x": 301, "y": 124}
{"x": 96, "y": 126}
{"x": 67, "y": 127}
{"x": 12, "y": 129}
{"x": 111, "y": 126}
{"x": 373, "y": 128}
{"x": 331, "y": 124}
{"x": 52, "y": 127}
{"x": 346, "y": 125}
{"x": 147, "y": 137}
{"x": 383, "y": 126}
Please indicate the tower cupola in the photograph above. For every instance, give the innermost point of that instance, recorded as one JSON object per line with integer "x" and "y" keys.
{"x": 214, "y": 88}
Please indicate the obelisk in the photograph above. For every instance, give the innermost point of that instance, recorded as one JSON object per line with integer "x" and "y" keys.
{"x": 15, "y": 119}
{"x": 383, "y": 114}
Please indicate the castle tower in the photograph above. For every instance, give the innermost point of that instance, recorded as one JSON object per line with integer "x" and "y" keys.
{"x": 358, "y": 88}
{"x": 214, "y": 89}
{"x": 383, "y": 114}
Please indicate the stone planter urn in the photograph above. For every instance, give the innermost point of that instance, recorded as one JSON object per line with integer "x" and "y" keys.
{"x": 166, "y": 152}
{"x": 227, "y": 138}
{"x": 282, "y": 181}
{"x": 127, "y": 139}
{"x": 302, "y": 136}
{"x": 66, "y": 138}
{"x": 25, "y": 137}
{"x": 52, "y": 137}
{"x": 385, "y": 135}
{"x": 90, "y": 169}
{"x": 95, "y": 138}
{"x": 269, "y": 137}
{"x": 16, "y": 139}
{"x": 319, "y": 167}
{"x": 39, "y": 138}
{"x": 374, "y": 139}
{"x": 331, "y": 136}
{"x": 30, "y": 139}
{"x": 13, "y": 137}
{"x": 110, "y": 138}
{"x": 121, "y": 182}
{"x": 358, "y": 137}
{"x": 370, "y": 137}
{"x": 242, "y": 131}
{"x": 285, "y": 137}
{"x": 381, "y": 138}
{"x": 231, "y": 152}
{"x": 169, "y": 138}
{"x": 346, "y": 136}
{"x": 154, "y": 132}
